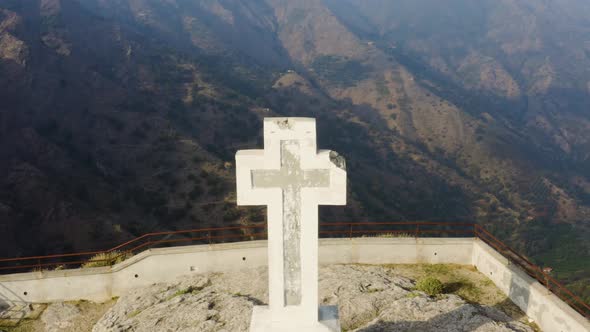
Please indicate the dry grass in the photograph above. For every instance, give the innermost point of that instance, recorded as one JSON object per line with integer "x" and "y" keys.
{"x": 107, "y": 259}
{"x": 466, "y": 282}
{"x": 90, "y": 313}
{"x": 390, "y": 235}
{"x": 28, "y": 323}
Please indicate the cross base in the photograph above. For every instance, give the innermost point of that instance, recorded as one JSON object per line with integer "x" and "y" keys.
{"x": 262, "y": 321}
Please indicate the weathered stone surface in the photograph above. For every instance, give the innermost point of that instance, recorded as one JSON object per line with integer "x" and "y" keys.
{"x": 374, "y": 299}
{"x": 193, "y": 304}
{"x": 370, "y": 298}
{"x": 291, "y": 177}
{"x": 59, "y": 316}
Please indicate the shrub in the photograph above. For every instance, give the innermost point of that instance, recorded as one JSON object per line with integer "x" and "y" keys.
{"x": 430, "y": 286}
{"x": 255, "y": 215}
{"x": 217, "y": 189}
{"x": 230, "y": 214}
{"x": 341, "y": 71}
{"x": 107, "y": 259}
{"x": 196, "y": 192}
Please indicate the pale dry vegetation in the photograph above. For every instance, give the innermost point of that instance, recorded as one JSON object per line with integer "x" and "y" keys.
{"x": 107, "y": 259}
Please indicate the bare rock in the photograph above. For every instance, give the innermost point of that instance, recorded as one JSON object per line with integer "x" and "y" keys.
{"x": 59, "y": 316}
{"x": 199, "y": 303}
{"x": 360, "y": 292}
{"x": 449, "y": 313}
{"x": 373, "y": 298}
{"x": 13, "y": 49}
{"x": 56, "y": 42}
{"x": 9, "y": 20}
{"x": 370, "y": 298}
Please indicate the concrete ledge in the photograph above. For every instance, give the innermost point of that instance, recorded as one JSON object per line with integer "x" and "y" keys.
{"x": 167, "y": 264}
{"x": 131, "y": 261}
{"x": 396, "y": 251}
{"x": 539, "y": 304}
{"x": 189, "y": 250}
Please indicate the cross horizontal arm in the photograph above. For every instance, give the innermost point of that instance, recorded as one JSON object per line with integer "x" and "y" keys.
{"x": 316, "y": 178}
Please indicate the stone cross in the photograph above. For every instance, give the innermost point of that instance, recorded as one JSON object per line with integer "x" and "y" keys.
{"x": 291, "y": 177}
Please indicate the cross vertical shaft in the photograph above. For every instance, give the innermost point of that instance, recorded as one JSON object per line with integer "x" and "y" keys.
{"x": 292, "y": 178}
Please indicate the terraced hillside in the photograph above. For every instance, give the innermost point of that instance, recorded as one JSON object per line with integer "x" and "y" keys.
{"x": 122, "y": 117}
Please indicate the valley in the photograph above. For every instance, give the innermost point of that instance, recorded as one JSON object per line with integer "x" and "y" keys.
{"x": 122, "y": 117}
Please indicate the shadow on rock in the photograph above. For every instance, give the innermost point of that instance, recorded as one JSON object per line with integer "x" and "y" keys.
{"x": 251, "y": 299}
{"x": 464, "y": 318}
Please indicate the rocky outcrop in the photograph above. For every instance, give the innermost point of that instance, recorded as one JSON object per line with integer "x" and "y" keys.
{"x": 370, "y": 298}
{"x": 12, "y": 49}
{"x": 199, "y": 303}
{"x": 59, "y": 316}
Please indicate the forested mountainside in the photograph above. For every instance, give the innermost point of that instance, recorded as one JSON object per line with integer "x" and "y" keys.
{"x": 119, "y": 117}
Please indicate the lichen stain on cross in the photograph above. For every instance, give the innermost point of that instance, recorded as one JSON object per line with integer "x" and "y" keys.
{"x": 292, "y": 178}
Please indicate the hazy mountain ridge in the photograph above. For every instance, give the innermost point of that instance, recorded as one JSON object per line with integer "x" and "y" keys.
{"x": 120, "y": 117}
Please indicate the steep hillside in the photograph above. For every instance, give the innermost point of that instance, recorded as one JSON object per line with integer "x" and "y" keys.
{"x": 122, "y": 117}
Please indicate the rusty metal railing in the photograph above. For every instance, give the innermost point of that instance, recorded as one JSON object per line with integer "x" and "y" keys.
{"x": 258, "y": 232}
{"x": 396, "y": 229}
{"x": 534, "y": 271}
{"x": 134, "y": 246}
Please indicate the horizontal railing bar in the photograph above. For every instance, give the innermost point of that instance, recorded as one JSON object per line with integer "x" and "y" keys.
{"x": 504, "y": 245}
{"x": 88, "y": 253}
{"x": 409, "y": 231}
{"x": 123, "y": 253}
{"x": 536, "y": 268}
{"x": 32, "y": 266}
{"x": 476, "y": 230}
{"x": 207, "y": 238}
{"x": 131, "y": 241}
{"x": 425, "y": 223}
{"x": 567, "y": 291}
{"x": 213, "y": 229}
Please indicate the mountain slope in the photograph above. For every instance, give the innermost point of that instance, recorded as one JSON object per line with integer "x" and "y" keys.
{"x": 122, "y": 117}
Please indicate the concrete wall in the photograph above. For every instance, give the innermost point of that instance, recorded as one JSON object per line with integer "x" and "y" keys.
{"x": 149, "y": 267}
{"x": 166, "y": 264}
{"x": 539, "y": 304}
{"x": 396, "y": 251}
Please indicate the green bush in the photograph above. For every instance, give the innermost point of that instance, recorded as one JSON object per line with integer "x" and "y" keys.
{"x": 430, "y": 286}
